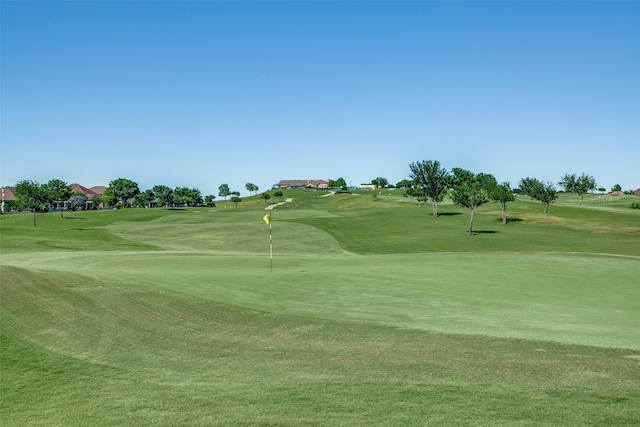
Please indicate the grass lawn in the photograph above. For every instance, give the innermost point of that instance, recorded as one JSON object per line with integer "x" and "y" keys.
{"x": 376, "y": 313}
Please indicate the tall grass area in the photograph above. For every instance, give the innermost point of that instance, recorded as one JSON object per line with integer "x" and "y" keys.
{"x": 376, "y": 313}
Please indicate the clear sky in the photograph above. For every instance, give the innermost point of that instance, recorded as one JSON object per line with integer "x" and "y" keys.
{"x": 203, "y": 93}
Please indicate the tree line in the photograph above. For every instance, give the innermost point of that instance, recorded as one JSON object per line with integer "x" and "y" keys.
{"x": 430, "y": 181}
{"x": 121, "y": 193}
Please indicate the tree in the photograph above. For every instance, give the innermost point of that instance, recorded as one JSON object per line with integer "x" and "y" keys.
{"x": 223, "y": 191}
{"x": 278, "y": 193}
{"x": 57, "y": 192}
{"x": 469, "y": 191}
{"x": 265, "y": 196}
{"x": 405, "y": 183}
{"x": 30, "y": 195}
{"x": 208, "y": 200}
{"x": 571, "y": 183}
{"x": 616, "y": 187}
{"x": 120, "y": 190}
{"x": 338, "y": 183}
{"x": 545, "y": 193}
{"x": 95, "y": 201}
{"x": 77, "y": 202}
{"x": 527, "y": 185}
{"x": 144, "y": 199}
{"x": 236, "y": 200}
{"x": 380, "y": 182}
{"x": 164, "y": 195}
{"x": 432, "y": 180}
{"x": 187, "y": 196}
{"x": 251, "y": 187}
{"x": 503, "y": 193}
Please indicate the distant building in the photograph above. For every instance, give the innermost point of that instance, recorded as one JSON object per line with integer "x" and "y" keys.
{"x": 9, "y": 194}
{"x": 637, "y": 192}
{"x": 367, "y": 187}
{"x": 318, "y": 184}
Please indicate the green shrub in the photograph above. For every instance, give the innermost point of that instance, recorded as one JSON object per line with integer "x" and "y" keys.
{"x": 635, "y": 205}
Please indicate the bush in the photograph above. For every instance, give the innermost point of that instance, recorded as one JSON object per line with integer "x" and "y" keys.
{"x": 635, "y": 205}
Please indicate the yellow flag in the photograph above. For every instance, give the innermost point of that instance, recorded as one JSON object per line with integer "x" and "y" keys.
{"x": 267, "y": 218}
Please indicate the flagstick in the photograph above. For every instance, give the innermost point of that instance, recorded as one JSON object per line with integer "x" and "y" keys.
{"x": 270, "y": 247}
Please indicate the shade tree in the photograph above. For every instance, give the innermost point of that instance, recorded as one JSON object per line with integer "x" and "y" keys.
{"x": 503, "y": 193}
{"x": 470, "y": 191}
{"x": 120, "y": 191}
{"x": 57, "y": 192}
{"x": 432, "y": 180}
{"x": 30, "y": 195}
{"x": 164, "y": 195}
{"x": 571, "y": 183}
{"x": 545, "y": 193}
{"x": 224, "y": 191}
{"x": 236, "y": 199}
{"x": 380, "y": 182}
{"x": 251, "y": 188}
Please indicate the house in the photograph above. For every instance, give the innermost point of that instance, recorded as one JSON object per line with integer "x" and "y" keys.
{"x": 98, "y": 189}
{"x": 77, "y": 188}
{"x": 319, "y": 184}
{"x": 8, "y": 194}
{"x": 637, "y": 192}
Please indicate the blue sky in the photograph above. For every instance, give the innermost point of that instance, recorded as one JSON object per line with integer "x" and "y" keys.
{"x": 203, "y": 93}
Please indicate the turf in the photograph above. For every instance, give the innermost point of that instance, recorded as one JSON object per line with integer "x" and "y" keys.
{"x": 375, "y": 314}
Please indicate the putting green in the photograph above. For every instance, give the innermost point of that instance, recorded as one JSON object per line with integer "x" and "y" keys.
{"x": 568, "y": 298}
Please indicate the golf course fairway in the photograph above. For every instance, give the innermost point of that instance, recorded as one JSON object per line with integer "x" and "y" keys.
{"x": 370, "y": 312}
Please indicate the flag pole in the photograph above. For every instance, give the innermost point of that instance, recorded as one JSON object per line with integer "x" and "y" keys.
{"x": 267, "y": 219}
{"x": 270, "y": 247}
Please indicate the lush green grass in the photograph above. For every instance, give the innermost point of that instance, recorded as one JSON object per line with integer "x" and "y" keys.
{"x": 375, "y": 314}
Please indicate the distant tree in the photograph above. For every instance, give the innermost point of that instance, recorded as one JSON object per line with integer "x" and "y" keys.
{"x": 432, "y": 180}
{"x": 616, "y": 187}
{"x": 30, "y": 195}
{"x": 164, "y": 195}
{"x": 78, "y": 202}
{"x": 602, "y": 190}
{"x": 545, "y": 193}
{"x": 338, "y": 183}
{"x": 196, "y": 195}
{"x": 527, "y": 185}
{"x": 469, "y": 191}
{"x": 580, "y": 185}
{"x": 503, "y": 193}
{"x": 57, "y": 193}
{"x": 278, "y": 194}
{"x": 96, "y": 201}
{"x": 187, "y": 196}
{"x": 208, "y": 200}
{"x": 380, "y": 182}
{"x": 223, "y": 191}
{"x": 144, "y": 199}
{"x": 120, "y": 190}
{"x": 405, "y": 183}
{"x": 251, "y": 188}
{"x": 236, "y": 200}
{"x": 265, "y": 196}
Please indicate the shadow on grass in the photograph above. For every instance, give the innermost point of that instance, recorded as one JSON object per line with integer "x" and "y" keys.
{"x": 449, "y": 213}
{"x": 484, "y": 232}
{"x": 510, "y": 220}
